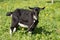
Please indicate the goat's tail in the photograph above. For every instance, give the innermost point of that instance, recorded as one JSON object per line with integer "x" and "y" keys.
{"x": 9, "y": 14}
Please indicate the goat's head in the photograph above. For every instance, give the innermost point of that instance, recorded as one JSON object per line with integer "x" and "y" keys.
{"x": 36, "y": 10}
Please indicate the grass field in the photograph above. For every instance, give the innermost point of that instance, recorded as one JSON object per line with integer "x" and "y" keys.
{"x": 48, "y": 27}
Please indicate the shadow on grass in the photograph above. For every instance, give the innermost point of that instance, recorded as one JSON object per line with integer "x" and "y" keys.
{"x": 40, "y": 30}
{"x": 54, "y": 1}
{"x": 37, "y": 31}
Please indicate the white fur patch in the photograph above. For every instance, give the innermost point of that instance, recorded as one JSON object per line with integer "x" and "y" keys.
{"x": 10, "y": 32}
{"x": 22, "y": 25}
{"x": 34, "y": 21}
{"x": 14, "y": 30}
{"x": 34, "y": 17}
{"x": 11, "y": 15}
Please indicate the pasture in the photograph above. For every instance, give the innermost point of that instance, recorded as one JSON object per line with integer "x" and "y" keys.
{"x": 48, "y": 27}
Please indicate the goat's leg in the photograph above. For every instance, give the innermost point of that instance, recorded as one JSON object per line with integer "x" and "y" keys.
{"x": 13, "y": 25}
{"x": 33, "y": 26}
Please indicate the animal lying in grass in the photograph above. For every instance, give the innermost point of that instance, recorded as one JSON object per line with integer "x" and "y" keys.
{"x": 24, "y": 18}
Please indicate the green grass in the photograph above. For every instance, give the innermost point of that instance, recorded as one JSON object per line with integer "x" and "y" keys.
{"x": 48, "y": 27}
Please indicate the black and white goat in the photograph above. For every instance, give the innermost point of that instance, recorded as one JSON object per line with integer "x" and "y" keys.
{"x": 24, "y": 18}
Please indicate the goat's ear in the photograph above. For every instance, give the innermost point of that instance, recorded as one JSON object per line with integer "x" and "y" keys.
{"x": 42, "y": 8}
{"x": 30, "y": 8}
{"x": 9, "y": 13}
